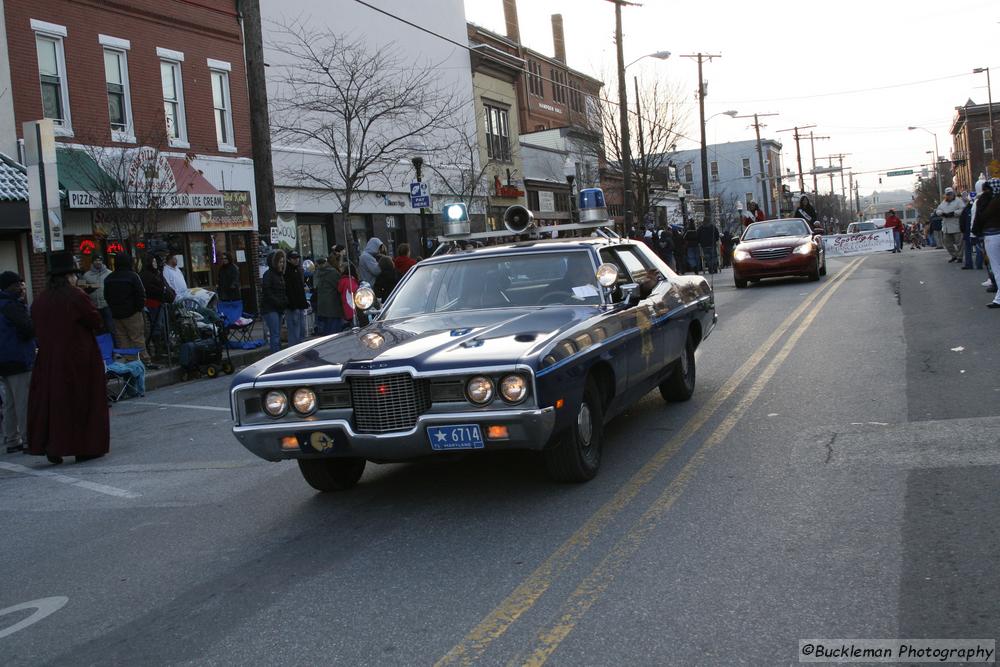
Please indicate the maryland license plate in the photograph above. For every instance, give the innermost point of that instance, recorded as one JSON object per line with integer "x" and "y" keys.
{"x": 464, "y": 436}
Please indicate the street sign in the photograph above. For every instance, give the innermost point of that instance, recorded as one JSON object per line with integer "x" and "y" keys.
{"x": 274, "y": 236}
{"x": 44, "y": 209}
{"x": 420, "y": 196}
{"x": 899, "y": 172}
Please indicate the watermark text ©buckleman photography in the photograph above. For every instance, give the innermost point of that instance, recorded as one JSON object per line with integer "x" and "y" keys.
{"x": 898, "y": 650}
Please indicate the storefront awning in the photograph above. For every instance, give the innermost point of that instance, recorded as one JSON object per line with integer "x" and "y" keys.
{"x": 145, "y": 179}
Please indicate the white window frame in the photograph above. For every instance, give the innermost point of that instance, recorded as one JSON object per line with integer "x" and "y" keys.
{"x": 57, "y": 33}
{"x": 988, "y": 139}
{"x": 222, "y": 67}
{"x": 174, "y": 59}
{"x": 120, "y": 47}
{"x": 747, "y": 168}
{"x": 713, "y": 169}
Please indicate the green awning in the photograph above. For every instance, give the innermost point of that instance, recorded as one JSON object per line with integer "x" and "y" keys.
{"x": 79, "y": 171}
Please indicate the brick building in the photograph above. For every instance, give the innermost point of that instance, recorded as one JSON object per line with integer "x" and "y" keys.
{"x": 972, "y": 143}
{"x": 141, "y": 91}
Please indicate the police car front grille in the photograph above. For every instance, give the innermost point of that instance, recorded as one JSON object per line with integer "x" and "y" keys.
{"x": 388, "y": 403}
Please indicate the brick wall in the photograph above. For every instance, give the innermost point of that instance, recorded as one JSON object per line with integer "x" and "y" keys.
{"x": 201, "y": 29}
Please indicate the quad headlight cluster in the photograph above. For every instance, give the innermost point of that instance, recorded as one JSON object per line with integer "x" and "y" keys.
{"x": 480, "y": 389}
{"x": 277, "y": 402}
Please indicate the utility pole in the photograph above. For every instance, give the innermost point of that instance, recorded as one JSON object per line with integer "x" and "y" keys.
{"x": 798, "y": 152}
{"x": 765, "y": 182}
{"x": 706, "y": 196}
{"x": 812, "y": 148}
{"x": 626, "y": 152}
{"x": 851, "y": 190}
{"x": 260, "y": 125}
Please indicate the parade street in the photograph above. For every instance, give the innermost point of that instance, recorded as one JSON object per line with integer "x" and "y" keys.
{"x": 832, "y": 477}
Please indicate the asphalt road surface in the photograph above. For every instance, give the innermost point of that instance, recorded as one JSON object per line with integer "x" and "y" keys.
{"x": 834, "y": 476}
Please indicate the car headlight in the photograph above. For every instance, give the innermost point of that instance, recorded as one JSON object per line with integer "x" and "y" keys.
{"x": 304, "y": 401}
{"x": 513, "y": 388}
{"x": 276, "y": 403}
{"x": 479, "y": 390}
{"x": 804, "y": 249}
{"x": 364, "y": 298}
{"x": 607, "y": 275}
{"x": 741, "y": 255}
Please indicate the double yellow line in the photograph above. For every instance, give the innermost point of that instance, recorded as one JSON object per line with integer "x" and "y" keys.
{"x": 524, "y": 597}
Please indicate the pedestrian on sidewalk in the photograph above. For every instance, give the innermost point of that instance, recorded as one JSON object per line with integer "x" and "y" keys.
{"x": 387, "y": 279}
{"x": 17, "y": 356}
{"x": 329, "y": 308}
{"x": 965, "y": 225}
{"x": 693, "y": 257}
{"x": 368, "y": 269}
{"x": 174, "y": 277}
{"x": 987, "y": 226}
{"x": 295, "y": 289}
{"x": 950, "y": 211}
{"x": 229, "y": 279}
{"x": 347, "y": 286}
{"x": 893, "y": 222}
{"x": 67, "y": 401}
{"x": 403, "y": 262}
{"x": 92, "y": 282}
{"x": 708, "y": 239}
{"x": 158, "y": 297}
{"x": 126, "y": 297}
{"x": 274, "y": 297}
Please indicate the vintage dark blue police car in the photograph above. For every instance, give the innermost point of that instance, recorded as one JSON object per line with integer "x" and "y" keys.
{"x": 533, "y": 345}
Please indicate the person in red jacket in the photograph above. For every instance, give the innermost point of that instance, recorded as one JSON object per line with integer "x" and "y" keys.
{"x": 403, "y": 261}
{"x": 347, "y": 286}
{"x": 893, "y": 222}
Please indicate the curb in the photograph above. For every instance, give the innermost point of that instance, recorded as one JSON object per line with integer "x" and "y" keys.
{"x": 169, "y": 376}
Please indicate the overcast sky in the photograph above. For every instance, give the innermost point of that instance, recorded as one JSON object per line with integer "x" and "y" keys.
{"x": 798, "y": 59}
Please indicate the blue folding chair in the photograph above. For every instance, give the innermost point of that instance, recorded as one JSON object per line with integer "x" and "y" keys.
{"x": 119, "y": 383}
{"x": 240, "y": 334}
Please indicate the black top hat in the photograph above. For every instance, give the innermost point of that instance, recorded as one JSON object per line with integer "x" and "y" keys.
{"x": 63, "y": 262}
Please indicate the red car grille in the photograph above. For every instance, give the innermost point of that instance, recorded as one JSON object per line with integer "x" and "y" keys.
{"x": 771, "y": 253}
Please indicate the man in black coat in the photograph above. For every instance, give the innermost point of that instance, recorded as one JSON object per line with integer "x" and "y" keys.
{"x": 295, "y": 289}
{"x": 708, "y": 237}
{"x": 126, "y": 298}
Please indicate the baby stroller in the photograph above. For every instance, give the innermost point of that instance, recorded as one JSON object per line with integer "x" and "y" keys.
{"x": 204, "y": 348}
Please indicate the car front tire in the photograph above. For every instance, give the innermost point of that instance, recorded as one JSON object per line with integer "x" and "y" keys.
{"x": 332, "y": 474}
{"x": 822, "y": 269}
{"x": 741, "y": 283}
{"x": 680, "y": 385}
{"x": 575, "y": 455}
{"x": 814, "y": 274}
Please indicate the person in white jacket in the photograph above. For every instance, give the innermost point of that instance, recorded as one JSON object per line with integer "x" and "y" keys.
{"x": 174, "y": 277}
{"x": 950, "y": 211}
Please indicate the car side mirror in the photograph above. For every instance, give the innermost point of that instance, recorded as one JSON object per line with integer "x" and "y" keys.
{"x": 631, "y": 294}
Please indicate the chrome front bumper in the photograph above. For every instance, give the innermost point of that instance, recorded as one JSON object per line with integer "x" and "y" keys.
{"x": 528, "y": 429}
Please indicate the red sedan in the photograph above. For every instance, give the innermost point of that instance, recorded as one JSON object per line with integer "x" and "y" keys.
{"x": 774, "y": 248}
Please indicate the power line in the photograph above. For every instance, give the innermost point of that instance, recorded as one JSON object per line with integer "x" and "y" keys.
{"x": 849, "y": 92}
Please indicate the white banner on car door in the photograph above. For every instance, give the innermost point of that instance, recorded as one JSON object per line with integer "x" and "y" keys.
{"x": 863, "y": 243}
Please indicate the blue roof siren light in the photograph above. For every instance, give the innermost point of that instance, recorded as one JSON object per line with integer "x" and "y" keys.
{"x": 456, "y": 219}
{"x": 592, "y": 206}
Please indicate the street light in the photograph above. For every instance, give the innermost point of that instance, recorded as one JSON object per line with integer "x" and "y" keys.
{"x": 659, "y": 55}
{"x": 418, "y": 163}
{"x": 732, "y": 113}
{"x": 937, "y": 157}
{"x": 569, "y": 171}
{"x": 989, "y": 97}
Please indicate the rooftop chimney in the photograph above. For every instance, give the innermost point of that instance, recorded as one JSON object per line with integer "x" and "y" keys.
{"x": 558, "y": 41}
{"x": 510, "y": 16}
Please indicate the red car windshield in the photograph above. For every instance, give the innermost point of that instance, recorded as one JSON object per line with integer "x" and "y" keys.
{"x": 775, "y": 228}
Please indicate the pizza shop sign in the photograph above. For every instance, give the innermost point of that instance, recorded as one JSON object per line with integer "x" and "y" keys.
{"x": 149, "y": 182}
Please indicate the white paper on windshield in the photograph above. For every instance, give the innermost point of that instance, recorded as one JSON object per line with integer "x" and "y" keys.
{"x": 584, "y": 291}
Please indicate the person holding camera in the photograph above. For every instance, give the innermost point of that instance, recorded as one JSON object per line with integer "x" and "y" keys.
{"x": 950, "y": 211}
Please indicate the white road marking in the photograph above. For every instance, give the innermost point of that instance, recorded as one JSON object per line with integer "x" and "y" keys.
{"x": 72, "y": 481}
{"x": 43, "y": 607}
{"x": 957, "y": 349}
{"x": 176, "y": 405}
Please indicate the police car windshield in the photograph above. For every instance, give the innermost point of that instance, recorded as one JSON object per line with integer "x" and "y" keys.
{"x": 502, "y": 281}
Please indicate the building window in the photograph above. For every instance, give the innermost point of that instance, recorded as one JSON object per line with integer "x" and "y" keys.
{"x": 987, "y": 141}
{"x": 532, "y": 200}
{"x": 575, "y": 96}
{"x": 749, "y": 198}
{"x": 497, "y": 133}
{"x": 222, "y": 105}
{"x": 562, "y": 202}
{"x": 746, "y": 168}
{"x": 535, "y": 79}
{"x": 688, "y": 173}
{"x": 172, "y": 87}
{"x": 52, "y": 74}
{"x": 714, "y": 168}
{"x": 558, "y": 85}
{"x": 119, "y": 104}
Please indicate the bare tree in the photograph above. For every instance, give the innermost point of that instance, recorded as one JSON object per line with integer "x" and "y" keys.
{"x": 460, "y": 172}
{"x": 129, "y": 186}
{"x": 655, "y": 125}
{"x": 925, "y": 193}
{"x": 361, "y": 111}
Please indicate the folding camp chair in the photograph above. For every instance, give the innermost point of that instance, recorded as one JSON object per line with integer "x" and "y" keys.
{"x": 119, "y": 383}
{"x": 239, "y": 324}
